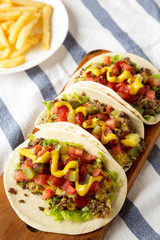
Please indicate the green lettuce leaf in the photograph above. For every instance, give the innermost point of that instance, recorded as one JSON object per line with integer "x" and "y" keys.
{"x": 75, "y": 216}
{"x": 50, "y": 142}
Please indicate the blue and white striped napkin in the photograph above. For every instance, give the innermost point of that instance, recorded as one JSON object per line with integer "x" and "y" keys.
{"x": 132, "y": 26}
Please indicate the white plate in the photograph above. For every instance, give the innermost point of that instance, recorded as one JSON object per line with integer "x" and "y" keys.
{"x": 59, "y": 31}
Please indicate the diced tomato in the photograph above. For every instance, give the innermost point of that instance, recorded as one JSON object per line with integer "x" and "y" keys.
{"x": 112, "y": 142}
{"x": 146, "y": 88}
{"x": 100, "y": 81}
{"x": 47, "y": 194}
{"x": 29, "y": 161}
{"x": 55, "y": 110}
{"x": 62, "y": 114}
{"x": 89, "y": 74}
{"x": 82, "y": 172}
{"x": 88, "y": 157}
{"x": 116, "y": 149}
{"x": 150, "y": 94}
{"x": 57, "y": 182}
{"x": 81, "y": 202}
{"x": 37, "y": 148}
{"x": 101, "y": 116}
{"x": 50, "y": 149}
{"x": 114, "y": 72}
{"x": 128, "y": 67}
{"x": 108, "y": 109}
{"x": 123, "y": 65}
{"x": 41, "y": 179}
{"x": 111, "y": 123}
{"x": 71, "y": 158}
{"x": 96, "y": 172}
{"x": 89, "y": 79}
{"x": 67, "y": 187}
{"x": 75, "y": 151}
{"x": 96, "y": 135}
{"x": 107, "y": 131}
{"x": 63, "y": 110}
{"x": 123, "y": 90}
{"x": 19, "y": 176}
{"x": 107, "y": 60}
{"x": 79, "y": 118}
{"x": 112, "y": 85}
{"x": 23, "y": 166}
{"x": 95, "y": 187}
{"x": 120, "y": 86}
{"x": 61, "y": 118}
{"x": 154, "y": 82}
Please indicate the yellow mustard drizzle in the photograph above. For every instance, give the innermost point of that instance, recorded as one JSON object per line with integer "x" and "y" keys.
{"x": 54, "y": 155}
{"x": 135, "y": 86}
{"x": 125, "y": 75}
{"x": 131, "y": 140}
{"x": 71, "y": 110}
{"x": 104, "y": 139}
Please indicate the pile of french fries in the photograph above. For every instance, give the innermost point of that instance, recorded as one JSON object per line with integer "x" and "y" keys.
{"x": 23, "y": 24}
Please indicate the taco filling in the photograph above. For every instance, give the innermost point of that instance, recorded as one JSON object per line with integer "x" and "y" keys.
{"x": 136, "y": 86}
{"x": 111, "y": 126}
{"x": 74, "y": 183}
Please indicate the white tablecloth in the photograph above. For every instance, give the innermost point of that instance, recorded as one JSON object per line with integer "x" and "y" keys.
{"x": 124, "y": 25}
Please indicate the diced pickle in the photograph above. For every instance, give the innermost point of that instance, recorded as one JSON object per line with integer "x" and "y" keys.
{"x": 64, "y": 148}
{"x": 71, "y": 176}
{"x": 70, "y": 117}
{"x": 114, "y": 113}
{"x": 38, "y": 167}
{"x": 133, "y": 152}
{"x": 139, "y": 109}
{"x": 97, "y": 129}
{"x": 29, "y": 172}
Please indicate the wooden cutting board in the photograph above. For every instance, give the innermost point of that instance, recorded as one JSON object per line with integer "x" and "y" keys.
{"x": 12, "y": 228}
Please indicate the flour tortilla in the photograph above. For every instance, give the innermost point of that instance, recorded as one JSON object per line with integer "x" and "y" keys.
{"x": 141, "y": 62}
{"x": 93, "y": 91}
{"x": 29, "y": 211}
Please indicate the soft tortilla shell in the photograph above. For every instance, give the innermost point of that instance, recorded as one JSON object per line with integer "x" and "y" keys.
{"x": 29, "y": 211}
{"x": 141, "y": 62}
{"x": 94, "y": 92}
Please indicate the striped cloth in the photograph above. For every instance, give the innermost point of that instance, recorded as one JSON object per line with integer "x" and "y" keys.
{"x": 133, "y": 26}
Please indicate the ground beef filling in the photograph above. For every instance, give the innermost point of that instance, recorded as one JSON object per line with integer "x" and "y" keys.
{"x": 148, "y": 105}
{"x": 37, "y": 141}
{"x": 99, "y": 209}
{"x": 12, "y": 191}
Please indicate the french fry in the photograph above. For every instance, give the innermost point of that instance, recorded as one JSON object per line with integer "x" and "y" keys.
{"x": 10, "y": 28}
{"x": 23, "y": 24}
{"x": 27, "y": 2}
{"x": 4, "y": 6}
{"x": 5, "y": 53}
{"x": 9, "y": 16}
{"x": 14, "y": 62}
{"x": 46, "y": 27}
{"x": 3, "y": 38}
{"x": 34, "y": 39}
{"x": 21, "y": 9}
{"x": 31, "y": 41}
{"x": 24, "y": 33}
{"x": 6, "y": 25}
{"x": 18, "y": 53}
{"x": 23, "y": 19}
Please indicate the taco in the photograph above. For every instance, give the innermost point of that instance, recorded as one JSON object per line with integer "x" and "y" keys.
{"x": 56, "y": 181}
{"x": 118, "y": 129}
{"x": 130, "y": 79}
